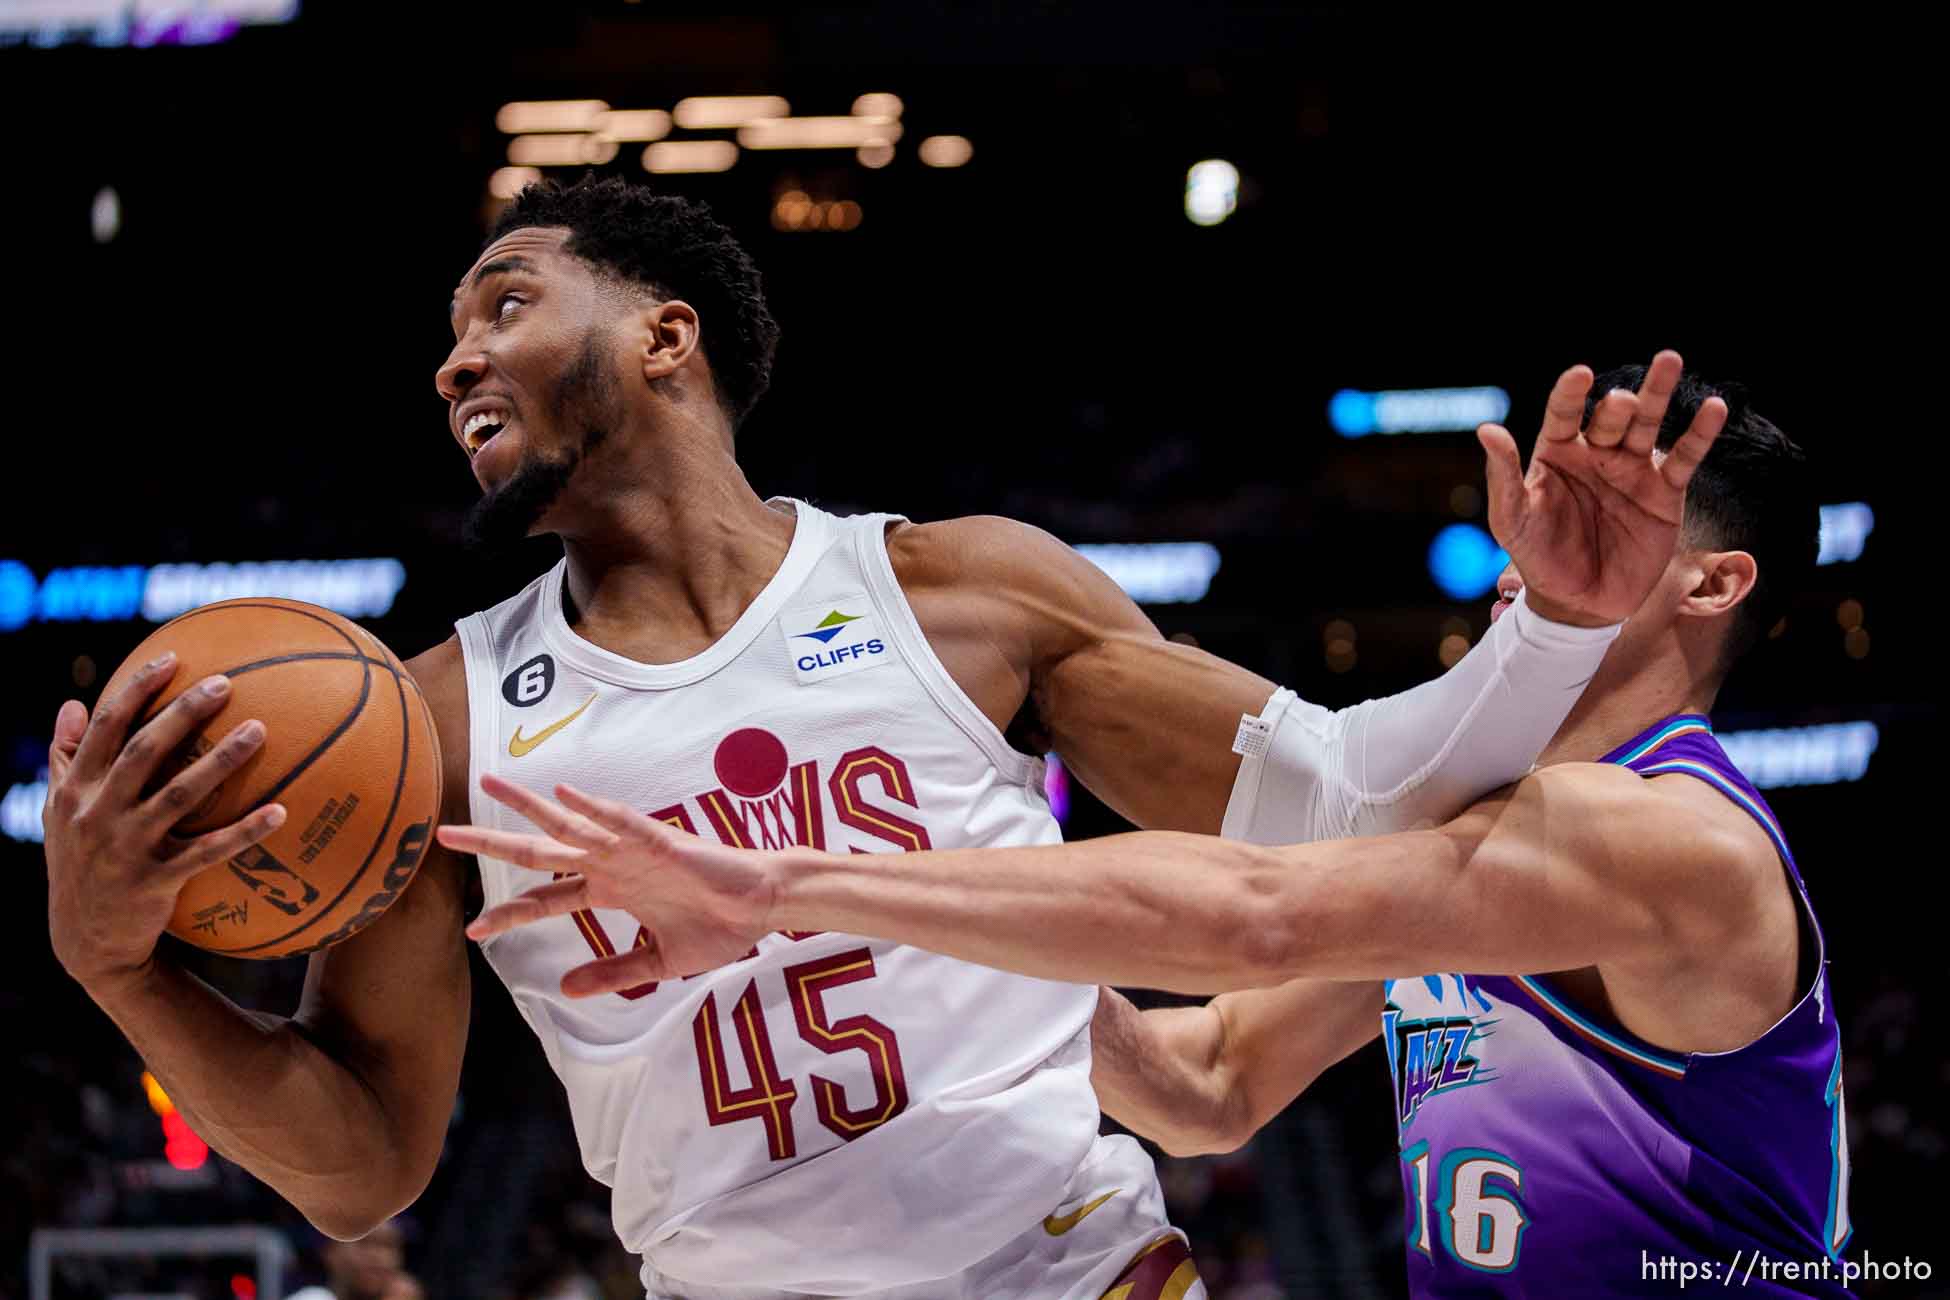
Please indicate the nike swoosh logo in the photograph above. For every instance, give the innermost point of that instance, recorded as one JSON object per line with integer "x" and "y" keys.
{"x": 519, "y": 744}
{"x": 1057, "y": 1225}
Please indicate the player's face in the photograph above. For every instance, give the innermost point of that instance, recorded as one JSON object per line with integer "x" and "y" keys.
{"x": 530, "y": 383}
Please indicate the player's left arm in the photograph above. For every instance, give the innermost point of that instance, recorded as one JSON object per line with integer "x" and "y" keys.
{"x": 1576, "y": 865}
{"x": 1020, "y": 619}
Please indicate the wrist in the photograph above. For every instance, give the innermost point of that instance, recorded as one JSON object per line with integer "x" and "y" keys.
{"x": 1552, "y": 611}
{"x": 117, "y": 986}
{"x": 792, "y": 871}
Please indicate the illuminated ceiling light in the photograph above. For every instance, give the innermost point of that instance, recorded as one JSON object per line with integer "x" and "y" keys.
{"x": 1849, "y": 614}
{"x": 525, "y": 116}
{"x": 1157, "y": 573}
{"x": 1211, "y": 191}
{"x": 1451, "y": 650}
{"x": 719, "y": 112}
{"x": 845, "y": 215}
{"x": 1355, "y": 414}
{"x": 560, "y": 150}
{"x": 946, "y": 150}
{"x": 877, "y": 154}
{"x": 510, "y": 181}
{"x": 791, "y": 210}
{"x": 105, "y": 216}
{"x": 818, "y": 133}
{"x": 878, "y": 105}
{"x": 1845, "y": 530}
{"x": 1856, "y": 643}
{"x": 633, "y": 124}
{"x": 1465, "y": 561}
{"x": 670, "y": 156}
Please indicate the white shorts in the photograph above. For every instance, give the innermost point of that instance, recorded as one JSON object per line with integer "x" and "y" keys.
{"x": 1108, "y": 1239}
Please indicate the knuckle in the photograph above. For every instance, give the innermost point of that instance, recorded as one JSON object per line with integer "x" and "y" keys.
{"x": 176, "y": 796}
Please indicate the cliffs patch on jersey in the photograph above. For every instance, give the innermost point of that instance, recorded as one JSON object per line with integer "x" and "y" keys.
{"x": 832, "y": 639}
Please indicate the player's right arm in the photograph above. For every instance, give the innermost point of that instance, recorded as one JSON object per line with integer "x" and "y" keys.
{"x": 342, "y": 1107}
{"x": 1203, "y": 1079}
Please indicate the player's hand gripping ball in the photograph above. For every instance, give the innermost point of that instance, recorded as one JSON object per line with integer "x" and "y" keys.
{"x": 349, "y": 749}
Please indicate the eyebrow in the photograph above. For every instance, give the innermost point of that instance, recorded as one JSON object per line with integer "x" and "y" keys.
{"x": 499, "y": 266}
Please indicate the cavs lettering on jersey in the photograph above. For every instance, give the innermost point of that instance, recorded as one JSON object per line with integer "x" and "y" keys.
{"x": 830, "y": 1114}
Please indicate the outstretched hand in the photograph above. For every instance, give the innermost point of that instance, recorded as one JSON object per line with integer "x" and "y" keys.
{"x": 702, "y": 904}
{"x": 1593, "y": 522}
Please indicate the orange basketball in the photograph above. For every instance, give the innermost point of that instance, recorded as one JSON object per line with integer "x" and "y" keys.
{"x": 349, "y": 750}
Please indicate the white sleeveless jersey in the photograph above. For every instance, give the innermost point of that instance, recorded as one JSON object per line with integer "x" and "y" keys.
{"x": 830, "y": 1114}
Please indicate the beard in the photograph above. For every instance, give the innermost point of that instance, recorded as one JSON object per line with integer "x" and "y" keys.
{"x": 583, "y": 394}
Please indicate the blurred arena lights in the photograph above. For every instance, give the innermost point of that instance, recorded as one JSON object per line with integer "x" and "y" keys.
{"x": 1211, "y": 191}
{"x": 1845, "y": 530}
{"x": 668, "y": 156}
{"x": 1157, "y": 573}
{"x": 721, "y": 112}
{"x": 876, "y": 155}
{"x": 1355, "y": 414}
{"x": 946, "y": 150}
{"x": 560, "y": 150}
{"x": 818, "y": 132}
{"x": 90, "y": 594}
{"x": 878, "y": 104}
{"x": 105, "y": 215}
{"x": 1825, "y": 754}
{"x": 796, "y": 210}
{"x": 181, "y": 1147}
{"x": 1464, "y": 560}
{"x": 20, "y": 809}
{"x": 48, "y": 23}
{"x": 633, "y": 125}
{"x": 526, "y": 116}
{"x": 510, "y": 181}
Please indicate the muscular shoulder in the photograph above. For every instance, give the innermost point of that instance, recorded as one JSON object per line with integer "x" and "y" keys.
{"x": 1683, "y": 851}
{"x": 441, "y": 674}
{"x": 1025, "y": 577}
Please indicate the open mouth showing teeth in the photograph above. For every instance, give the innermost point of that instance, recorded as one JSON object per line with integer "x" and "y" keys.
{"x": 481, "y": 426}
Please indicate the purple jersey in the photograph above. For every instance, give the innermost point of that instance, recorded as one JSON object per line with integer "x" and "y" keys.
{"x": 1548, "y": 1154}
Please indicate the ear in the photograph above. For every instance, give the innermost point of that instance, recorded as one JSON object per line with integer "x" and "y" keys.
{"x": 670, "y": 338}
{"x": 1725, "y": 578}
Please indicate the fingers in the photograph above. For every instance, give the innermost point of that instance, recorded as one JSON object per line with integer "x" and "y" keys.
{"x": 607, "y": 813}
{"x": 106, "y": 730}
{"x": 1564, "y": 409}
{"x": 1691, "y": 449}
{"x": 70, "y": 724}
{"x": 536, "y": 852}
{"x": 1655, "y": 393}
{"x": 550, "y": 816}
{"x": 557, "y": 898}
{"x": 1503, "y": 469}
{"x": 613, "y": 974}
{"x": 193, "y": 784}
{"x": 136, "y": 765}
{"x": 221, "y": 845}
{"x": 1608, "y": 421}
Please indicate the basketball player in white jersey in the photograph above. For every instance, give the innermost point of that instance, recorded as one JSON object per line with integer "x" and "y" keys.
{"x": 815, "y": 1114}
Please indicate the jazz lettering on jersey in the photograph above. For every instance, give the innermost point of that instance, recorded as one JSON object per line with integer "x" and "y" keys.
{"x": 1432, "y": 1055}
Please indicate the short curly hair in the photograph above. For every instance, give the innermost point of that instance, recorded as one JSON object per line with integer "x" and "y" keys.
{"x": 677, "y": 249}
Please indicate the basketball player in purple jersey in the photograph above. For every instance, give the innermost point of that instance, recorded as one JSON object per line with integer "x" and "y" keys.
{"x": 815, "y": 1113}
{"x": 1602, "y": 991}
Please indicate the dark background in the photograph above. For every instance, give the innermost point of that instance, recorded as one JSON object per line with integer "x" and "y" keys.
{"x": 1432, "y": 198}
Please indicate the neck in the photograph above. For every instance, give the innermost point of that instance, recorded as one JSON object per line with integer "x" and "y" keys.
{"x": 661, "y": 567}
{"x": 1611, "y": 712}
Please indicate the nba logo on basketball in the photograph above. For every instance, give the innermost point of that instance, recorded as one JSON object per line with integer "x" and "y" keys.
{"x": 833, "y": 638}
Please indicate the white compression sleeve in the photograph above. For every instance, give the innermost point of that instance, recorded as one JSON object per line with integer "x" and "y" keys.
{"x": 1417, "y": 758}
